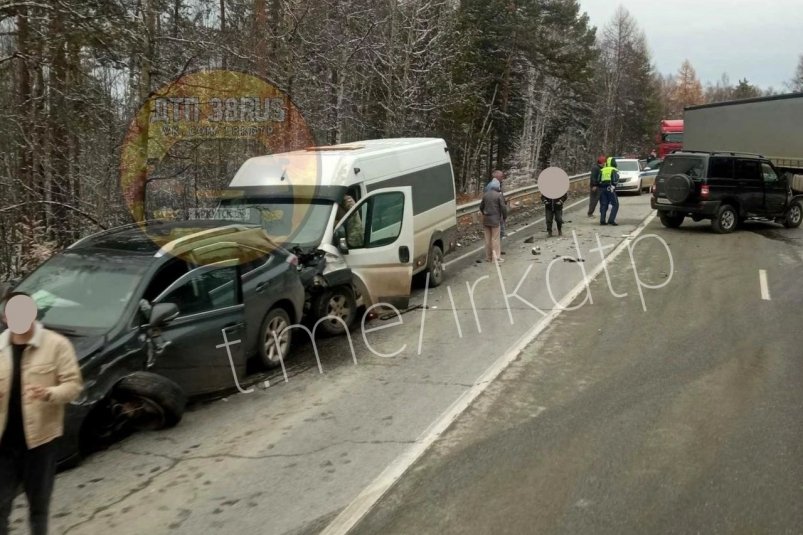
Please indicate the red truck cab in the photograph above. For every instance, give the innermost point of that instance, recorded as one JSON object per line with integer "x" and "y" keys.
{"x": 670, "y": 138}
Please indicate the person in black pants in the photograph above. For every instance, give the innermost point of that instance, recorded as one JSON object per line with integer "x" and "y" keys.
{"x": 594, "y": 192}
{"x": 554, "y": 211}
{"x": 39, "y": 375}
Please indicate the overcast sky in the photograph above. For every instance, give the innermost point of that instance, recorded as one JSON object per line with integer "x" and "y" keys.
{"x": 757, "y": 40}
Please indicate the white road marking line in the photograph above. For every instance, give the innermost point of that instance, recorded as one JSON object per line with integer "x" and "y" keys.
{"x": 511, "y": 233}
{"x": 362, "y": 504}
{"x": 765, "y": 289}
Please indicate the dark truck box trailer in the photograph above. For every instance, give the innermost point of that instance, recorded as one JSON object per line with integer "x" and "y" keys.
{"x": 769, "y": 126}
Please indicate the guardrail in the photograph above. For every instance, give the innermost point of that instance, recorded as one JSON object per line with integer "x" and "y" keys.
{"x": 474, "y": 206}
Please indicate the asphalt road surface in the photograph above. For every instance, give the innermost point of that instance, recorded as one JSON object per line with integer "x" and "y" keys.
{"x": 502, "y": 413}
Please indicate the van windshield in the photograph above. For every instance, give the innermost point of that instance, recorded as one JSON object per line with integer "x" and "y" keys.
{"x": 288, "y": 222}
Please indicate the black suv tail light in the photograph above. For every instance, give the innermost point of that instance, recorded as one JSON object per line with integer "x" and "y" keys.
{"x": 704, "y": 191}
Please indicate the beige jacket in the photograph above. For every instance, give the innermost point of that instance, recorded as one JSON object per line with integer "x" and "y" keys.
{"x": 48, "y": 361}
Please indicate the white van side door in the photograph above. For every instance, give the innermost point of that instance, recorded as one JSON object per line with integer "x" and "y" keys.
{"x": 376, "y": 238}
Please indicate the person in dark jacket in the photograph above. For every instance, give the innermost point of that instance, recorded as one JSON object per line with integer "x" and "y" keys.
{"x": 596, "y": 174}
{"x": 554, "y": 211}
{"x": 494, "y": 211}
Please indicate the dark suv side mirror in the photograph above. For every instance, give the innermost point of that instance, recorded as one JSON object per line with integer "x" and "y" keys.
{"x": 163, "y": 313}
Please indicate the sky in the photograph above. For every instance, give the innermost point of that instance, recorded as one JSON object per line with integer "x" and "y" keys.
{"x": 757, "y": 40}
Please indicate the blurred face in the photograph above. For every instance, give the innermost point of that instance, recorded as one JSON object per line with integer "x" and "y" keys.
{"x": 19, "y": 314}
{"x": 499, "y": 175}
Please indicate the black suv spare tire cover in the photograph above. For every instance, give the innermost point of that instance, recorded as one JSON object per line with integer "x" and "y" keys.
{"x": 678, "y": 188}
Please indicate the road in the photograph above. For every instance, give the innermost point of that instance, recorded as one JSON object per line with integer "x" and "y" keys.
{"x": 681, "y": 419}
{"x": 502, "y": 413}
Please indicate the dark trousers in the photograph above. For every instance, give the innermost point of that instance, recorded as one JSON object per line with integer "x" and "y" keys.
{"x": 35, "y": 471}
{"x": 593, "y": 199}
{"x": 608, "y": 198}
{"x": 555, "y": 213}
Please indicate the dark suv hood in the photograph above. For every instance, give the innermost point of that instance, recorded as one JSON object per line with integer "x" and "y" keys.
{"x": 86, "y": 345}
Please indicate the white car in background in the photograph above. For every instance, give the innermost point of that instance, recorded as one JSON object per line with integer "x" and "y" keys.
{"x": 629, "y": 176}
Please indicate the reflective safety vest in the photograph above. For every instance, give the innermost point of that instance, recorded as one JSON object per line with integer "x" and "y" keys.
{"x": 607, "y": 172}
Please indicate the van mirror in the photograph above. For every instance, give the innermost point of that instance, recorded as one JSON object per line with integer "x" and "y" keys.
{"x": 340, "y": 239}
{"x": 648, "y": 169}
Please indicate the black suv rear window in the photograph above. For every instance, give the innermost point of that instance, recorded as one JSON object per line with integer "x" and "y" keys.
{"x": 683, "y": 165}
{"x": 720, "y": 167}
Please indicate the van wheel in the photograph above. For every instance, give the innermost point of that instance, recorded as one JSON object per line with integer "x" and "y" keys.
{"x": 435, "y": 268}
{"x": 794, "y": 215}
{"x": 274, "y": 327}
{"x": 726, "y": 219}
{"x": 338, "y": 302}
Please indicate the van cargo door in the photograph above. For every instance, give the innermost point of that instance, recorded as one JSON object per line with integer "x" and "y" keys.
{"x": 376, "y": 236}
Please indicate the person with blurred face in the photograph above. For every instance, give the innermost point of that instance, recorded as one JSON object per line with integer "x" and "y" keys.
{"x": 594, "y": 194}
{"x": 39, "y": 375}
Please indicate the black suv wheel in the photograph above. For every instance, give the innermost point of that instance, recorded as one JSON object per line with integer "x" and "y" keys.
{"x": 794, "y": 215}
{"x": 671, "y": 221}
{"x": 726, "y": 219}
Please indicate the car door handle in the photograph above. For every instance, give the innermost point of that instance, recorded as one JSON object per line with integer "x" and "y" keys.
{"x": 261, "y": 286}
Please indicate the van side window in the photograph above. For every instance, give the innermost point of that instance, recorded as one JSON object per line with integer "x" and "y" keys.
{"x": 748, "y": 170}
{"x": 383, "y": 215}
{"x": 720, "y": 168}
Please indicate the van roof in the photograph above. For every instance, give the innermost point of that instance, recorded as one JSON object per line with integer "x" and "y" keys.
{"x": 333, "y": 165}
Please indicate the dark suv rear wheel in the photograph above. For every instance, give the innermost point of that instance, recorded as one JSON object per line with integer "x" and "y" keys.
{"x": 794, "y": 215}
{"x": 726, "y": 219}
{"x": 671, "y": 221}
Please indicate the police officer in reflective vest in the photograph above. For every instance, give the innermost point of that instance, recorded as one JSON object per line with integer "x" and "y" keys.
{"x": 608, "y": 179}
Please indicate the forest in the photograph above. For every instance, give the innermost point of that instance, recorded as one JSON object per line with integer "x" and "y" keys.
{"x": 513, "y": 84}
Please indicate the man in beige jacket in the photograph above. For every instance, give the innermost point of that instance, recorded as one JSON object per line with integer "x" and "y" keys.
{"x": 39, "y": 375}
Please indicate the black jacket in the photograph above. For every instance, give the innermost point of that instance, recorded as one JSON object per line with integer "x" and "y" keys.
{"x": 596, "y": 174}
{"x": 554, "y": 203}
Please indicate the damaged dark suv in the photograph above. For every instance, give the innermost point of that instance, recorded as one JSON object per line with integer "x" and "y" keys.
{"x": 150, "y": 315}
{"x": 727, "y": 188}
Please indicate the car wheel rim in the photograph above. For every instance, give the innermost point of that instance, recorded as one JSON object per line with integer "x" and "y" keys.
{"x": 339, "y": 308}
{"x": 437, "y": 266}
{"x": 728, "y": 219}
{"x": 795, "y": 214}
{"x": 277, "y": 329}
{"x": 140, "y": 412}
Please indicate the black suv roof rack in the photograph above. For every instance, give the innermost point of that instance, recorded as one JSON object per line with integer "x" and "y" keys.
{"x": 719, "y": 152}
{"x": 114, "y": 230}
{"x": 730, "y": 153}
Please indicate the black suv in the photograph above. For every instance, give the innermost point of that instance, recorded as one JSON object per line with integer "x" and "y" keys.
{"x": 726, "y": 188}
{"x": 150, "y": 314}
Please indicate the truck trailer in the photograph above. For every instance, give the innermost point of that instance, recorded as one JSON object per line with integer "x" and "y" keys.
{"x": 768, "y": 126}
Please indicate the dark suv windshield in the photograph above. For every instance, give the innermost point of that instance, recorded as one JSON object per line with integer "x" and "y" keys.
{"x": 83, "y": 292}
{"x": 683, "y": 165}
